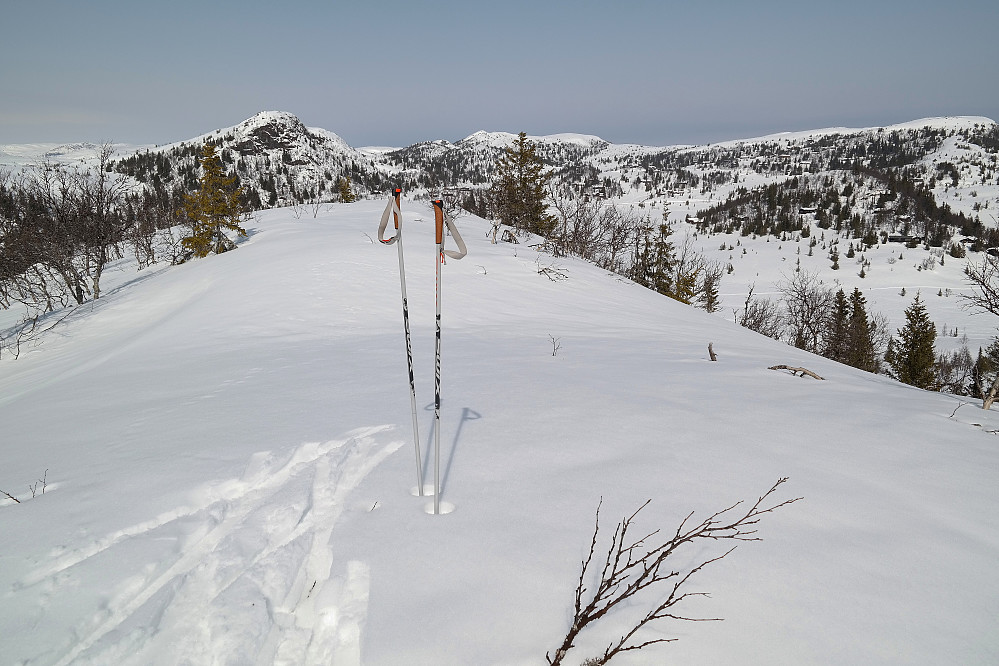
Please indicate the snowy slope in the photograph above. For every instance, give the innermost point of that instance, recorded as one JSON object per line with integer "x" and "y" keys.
{"x": 231, "y": 473}
{"x": 20, "y": 155}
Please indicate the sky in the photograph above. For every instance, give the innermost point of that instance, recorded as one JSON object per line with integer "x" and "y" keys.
{"x": 386, "y": 72}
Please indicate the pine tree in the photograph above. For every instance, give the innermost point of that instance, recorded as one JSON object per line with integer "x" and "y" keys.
{"x": 213, "y": 209}
{"x": 860, "y": 337}
{"x": 911, "y": 358}
{"x": 518, "y": 189}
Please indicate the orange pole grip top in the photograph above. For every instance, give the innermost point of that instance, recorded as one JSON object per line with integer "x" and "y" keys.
{"x": 439, "y": 220}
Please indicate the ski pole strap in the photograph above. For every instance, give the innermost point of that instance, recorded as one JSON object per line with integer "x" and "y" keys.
{"x": 442, "y": 218}
{"x": 392, "y": 207}
{"x": 462, "y": 250}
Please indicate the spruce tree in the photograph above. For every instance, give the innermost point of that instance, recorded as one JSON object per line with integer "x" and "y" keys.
{"x": 911, "y": 358}
{"x": 979, "y": 373}
{"x": 654, "y": 260}
{"x": 708, "y": 297}
{"x": 860, "y": 337}
{"x": 344, "y": 191}
{"x": 837, "y": 341}
{"x": 213, "y": 209}
{"x": 518, "y": 189}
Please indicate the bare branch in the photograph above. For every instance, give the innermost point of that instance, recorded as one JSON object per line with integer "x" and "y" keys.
{"x": 632, "y": 566}
{"x": 794, "y": 370}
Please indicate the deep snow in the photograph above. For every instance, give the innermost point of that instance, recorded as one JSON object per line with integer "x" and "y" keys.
{"x": 230, "y": 469}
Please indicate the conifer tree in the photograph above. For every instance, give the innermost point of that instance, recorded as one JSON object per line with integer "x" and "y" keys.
{"x": 518, "y": 189}
{"x": 344, "y": 191}
{"x": 213, "y": 209}
{"x": 837, "y": 340}
{"x": 979, "y": 373}
{"x": 984, "y": 382}
{"x": 911, "y": 358}
{"x": 708, "y": 297}
{"x": 860, "y": 337}
{"x": 654, "y": 259}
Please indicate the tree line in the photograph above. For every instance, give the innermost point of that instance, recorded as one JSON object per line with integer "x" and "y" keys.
{"x": 523, "y": 197}
{"x": 61, "y": 226}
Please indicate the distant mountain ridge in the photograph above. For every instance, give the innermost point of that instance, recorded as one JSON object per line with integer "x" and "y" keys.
{"x": 280, "y": 162}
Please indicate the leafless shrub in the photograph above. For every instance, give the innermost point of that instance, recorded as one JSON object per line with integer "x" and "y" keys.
{"x": 43, "y": 482}
{"x": 555, "y": 344}
{"x": 954, "y": 370}
{"x": 808, "y": 305}
{"x": 984, "y": 278}
{"x": 553, "y": 271}
{"x": 761, "y": 315}
{"x": 632, "y": 566}
{"x": 37, "y": 488}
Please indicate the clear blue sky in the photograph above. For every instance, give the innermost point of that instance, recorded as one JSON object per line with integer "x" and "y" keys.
{"x": 394, "y": 73}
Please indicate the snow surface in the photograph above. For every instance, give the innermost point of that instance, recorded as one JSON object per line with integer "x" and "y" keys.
{"x": 230, "y": 469}
{"x": 505, "y": 139}
{"x": 949, "y": 123}
{"x": 19, "y": 155}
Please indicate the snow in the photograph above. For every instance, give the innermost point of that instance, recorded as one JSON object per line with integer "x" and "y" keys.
{"x": 949, "y": 123}
{"x": 504, "y": 139}
{"x": 26, "y": 154}
{"x": 230, "y": 466}
{"x": 376, "y": 151}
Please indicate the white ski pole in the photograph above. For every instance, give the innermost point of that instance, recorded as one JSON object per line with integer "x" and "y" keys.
{"x": 393, "y": 208}
{"x": 440, "y": 218}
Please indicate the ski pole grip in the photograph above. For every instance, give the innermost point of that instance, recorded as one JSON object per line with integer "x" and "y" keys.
{"x": 439, "y": 221}
{"x": 395, "y": 213}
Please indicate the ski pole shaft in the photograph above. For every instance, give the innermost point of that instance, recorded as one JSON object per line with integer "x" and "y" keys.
{"x": 439, "y": 235}
{"x": 409, "y": 348}
{"x": 393, "y": 206}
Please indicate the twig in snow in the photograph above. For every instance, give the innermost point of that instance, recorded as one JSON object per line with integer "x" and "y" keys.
{"x": 795, "y": 371}
{"x": 957, "y": 408}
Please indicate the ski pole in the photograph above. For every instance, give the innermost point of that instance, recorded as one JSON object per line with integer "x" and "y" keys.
{"x": 393, "y": 208}
{"x": 440, "y": 218}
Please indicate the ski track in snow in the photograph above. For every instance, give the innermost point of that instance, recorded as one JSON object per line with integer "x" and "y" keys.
{"x": 253, "y": 581}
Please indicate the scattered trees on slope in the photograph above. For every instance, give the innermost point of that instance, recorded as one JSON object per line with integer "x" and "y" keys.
{"x": 984, "y": 278}
{"x": 59, "y": 229}
{"x": 811, "y": 316}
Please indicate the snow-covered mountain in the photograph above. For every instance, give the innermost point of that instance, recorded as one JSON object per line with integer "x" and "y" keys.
{"x": 280, "y": 162}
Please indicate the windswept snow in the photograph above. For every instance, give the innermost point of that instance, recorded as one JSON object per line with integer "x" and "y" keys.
{"x": 230, "y": 466}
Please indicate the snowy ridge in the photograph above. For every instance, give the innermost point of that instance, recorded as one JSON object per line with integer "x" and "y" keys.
{"x": 505, "y": 139}
{"x": 946, "y": 123}
{"x": 231, "y": 469}
{"x": 280, "y": 161}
